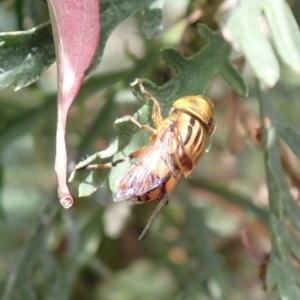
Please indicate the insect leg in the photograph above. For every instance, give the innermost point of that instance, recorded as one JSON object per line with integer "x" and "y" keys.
{"x": 109, "y": 165}
{"x": 156, "y": 112}
{"x": 157, "y": 210}
{"x": 139, "y": 125}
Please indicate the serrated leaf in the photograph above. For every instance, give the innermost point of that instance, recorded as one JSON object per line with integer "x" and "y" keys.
{"x": 279, "y": 193}
{"x": 293, "y": 243}
{"x": 284, "y": 276}
{"x": 24, "y": 55}
{"x": 233, "y": 78}
{"x": 275, "y": 177}
{"x": 89, "y": 180}
{"x": 193, "y": 75}
{"x": 152, "y": 25}
{"x": 292, "y": 210}
{"x": 286, "y": 131}
{"x": 278, "y": 242}
{"x": 280, "y": 272}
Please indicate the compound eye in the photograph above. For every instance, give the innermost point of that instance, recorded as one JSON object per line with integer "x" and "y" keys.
{"x": 209, "y": 122}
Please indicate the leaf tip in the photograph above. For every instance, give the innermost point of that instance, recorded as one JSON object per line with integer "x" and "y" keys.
{"x": 66, "y": 201}
{"x": 134, "y": 83}
{"x": 205, "y": 31}
{"x": 72, "y": 176}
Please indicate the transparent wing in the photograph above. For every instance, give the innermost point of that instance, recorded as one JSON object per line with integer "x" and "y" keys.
{"x": 149, "y": 171}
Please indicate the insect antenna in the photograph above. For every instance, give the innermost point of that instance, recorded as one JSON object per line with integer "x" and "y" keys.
{"x": 157, "y": 210}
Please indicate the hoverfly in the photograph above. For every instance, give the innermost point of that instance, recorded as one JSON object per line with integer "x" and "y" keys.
{"x": 176, "y": 145}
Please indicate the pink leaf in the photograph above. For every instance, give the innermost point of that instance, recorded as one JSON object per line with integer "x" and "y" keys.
{"x": 76, "y": 31}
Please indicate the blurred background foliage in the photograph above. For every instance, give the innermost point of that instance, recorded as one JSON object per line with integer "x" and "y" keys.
{"x": 229, "y": 232}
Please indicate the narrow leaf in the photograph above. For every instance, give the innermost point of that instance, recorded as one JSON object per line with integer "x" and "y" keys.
{"x": 285, "y": 32}
{"x": 76, "y": 30}
{"x": 17, "y": 278}
{"x": 281, "y": 273}
{"x": 279, "y": 194}
{"x": 240, "y": 26}
{"x": 286, "y": 131}
{"x": 212, "y": 263}
{"x": 232, "y": 196}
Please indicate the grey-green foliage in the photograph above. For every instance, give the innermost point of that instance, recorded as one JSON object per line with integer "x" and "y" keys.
{"x": 192, "y": 76}
{"x": 217, "y": 281}
{"x": 24, "y": 55}
{"x": 82, "y": 243}
{"x": 17, "y": 283}
{"x": 113, "y": 13}
{"x": 153, "y": 19}
{"x": 267, "y": 33}
{"x": 284, "y": 211}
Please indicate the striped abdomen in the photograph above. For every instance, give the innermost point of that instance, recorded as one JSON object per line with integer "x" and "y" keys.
{"x": 192, "y": 136}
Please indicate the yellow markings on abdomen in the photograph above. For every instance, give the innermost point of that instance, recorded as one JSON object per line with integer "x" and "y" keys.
{"x": 192, "y": 135}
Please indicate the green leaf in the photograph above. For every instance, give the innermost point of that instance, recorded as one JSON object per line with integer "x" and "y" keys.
{"x": 22, "y": 269}
{"x": 193, "y": 75}
{"x": 278, "y": 242}
{"x": 279, "y": 194}
{"x": 24, "y": 55}
{"x": 218, "y": 287}
{"x": 89, "y": 179}
{"x": 241, "y": 27}
{"x": 82, "y": 239}
{"x": 25, "y": 121}
{"x": 284, "y": 276}
{"x": 152, "y": 25}
{"x": 285, "y": 32}
{"x": 281, "y": 271}
{"x": 234, "y": 197}
{"x": 112, "y": 13}
{"x": 286, "y": 131}
{"x": 273, "y": 169}
{"x": 141, "y": 280}
{"x": 292, "y": 243}
{"x": 2, "y": 214}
